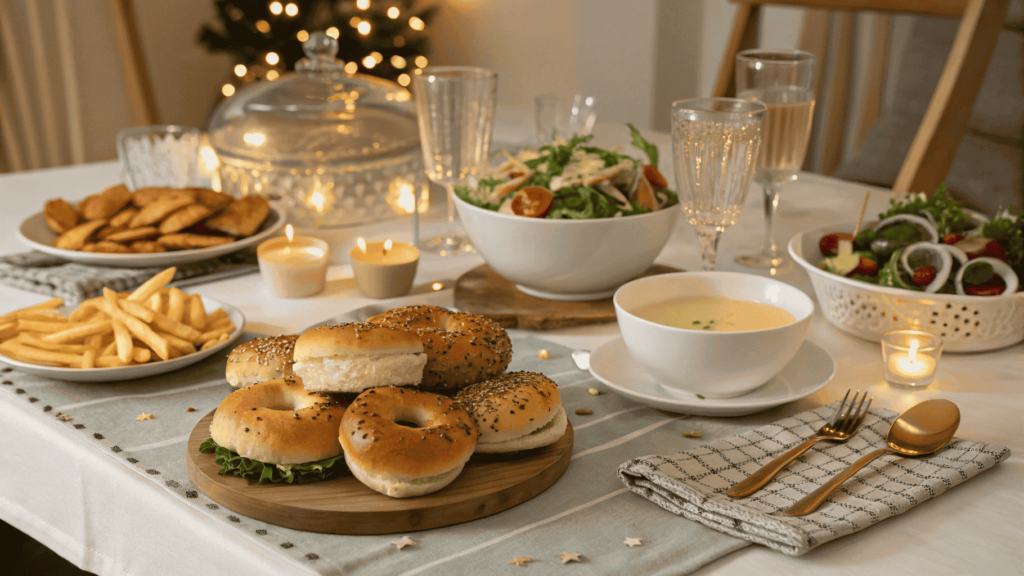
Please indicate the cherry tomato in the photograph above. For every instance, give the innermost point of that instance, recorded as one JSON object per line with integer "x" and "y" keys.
{"x": 993, "y": 287}
{"x": 924, "y": 275}
{"x": 829, "y": 244}
{"x": 952, "y": 238}
{"x": 532, "y": 202}
{"x": 655, "y": 177}
{"x": 867, "y": 267}
{"x": 995, "y": 250}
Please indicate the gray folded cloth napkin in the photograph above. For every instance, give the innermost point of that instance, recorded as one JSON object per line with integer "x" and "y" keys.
{"x": 692, "y": 483}
{"x": 52, "y": 276}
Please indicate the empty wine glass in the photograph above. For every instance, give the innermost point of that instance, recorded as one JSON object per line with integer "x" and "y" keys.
{"x": 562, "y": 118}
{"x": 456, "y": 106}
{"x": 782, "y": 81}
{"x": 714, "y": 148}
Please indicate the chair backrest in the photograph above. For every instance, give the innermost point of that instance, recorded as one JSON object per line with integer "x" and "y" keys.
{"x": 935, "y": 144}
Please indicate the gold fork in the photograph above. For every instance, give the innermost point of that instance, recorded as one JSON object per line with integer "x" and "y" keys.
{"x": 840, "y": 428}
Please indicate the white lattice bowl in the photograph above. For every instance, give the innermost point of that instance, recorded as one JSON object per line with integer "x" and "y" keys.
{"x": 965, "y": 323}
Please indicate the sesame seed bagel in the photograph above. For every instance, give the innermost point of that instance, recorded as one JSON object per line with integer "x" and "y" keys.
{"x": 462, "y": 349}
{"x": 406, "y": 460}
{"x": 278, "y": 422}
{"x": 260, "y": 360}
{"x": 516, "y": 411}
{"x": 356, "y": 356}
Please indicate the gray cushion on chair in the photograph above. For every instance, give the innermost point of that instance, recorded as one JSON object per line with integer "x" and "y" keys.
{"x": 988, "y": 170}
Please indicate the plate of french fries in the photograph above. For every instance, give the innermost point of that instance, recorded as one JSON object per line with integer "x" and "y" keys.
{"x": 118, "y": 336}
{"x": 149, "y": 227}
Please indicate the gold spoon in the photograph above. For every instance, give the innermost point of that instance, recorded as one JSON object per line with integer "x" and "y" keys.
{"x": 921, "y": 430}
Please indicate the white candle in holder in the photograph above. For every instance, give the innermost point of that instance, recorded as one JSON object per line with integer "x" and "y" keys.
{"x": 911, "y": 357}
{"x": 293, "y": 266}
{"x": 384, "y": 269}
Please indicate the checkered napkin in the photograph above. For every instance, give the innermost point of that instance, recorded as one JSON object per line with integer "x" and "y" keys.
{"x": 693, "y": 483}
{"x": 52, "y": 276}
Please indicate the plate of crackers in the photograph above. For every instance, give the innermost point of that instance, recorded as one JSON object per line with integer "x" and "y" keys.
{"x": 118, "y": 336}
{"x": 150, "y": 226}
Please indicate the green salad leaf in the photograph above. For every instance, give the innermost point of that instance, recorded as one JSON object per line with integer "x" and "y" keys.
{"x": 650, "y": 149}
{"x": 889, "y": 274}
{"x": 979, "y": 273}
{"x": 231, "y": 464}
{"x": 1008, "y": 229}
{"x": 947, "y": 211}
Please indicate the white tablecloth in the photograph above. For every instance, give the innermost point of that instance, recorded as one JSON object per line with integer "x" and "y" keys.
{"x": 84, "y": 505}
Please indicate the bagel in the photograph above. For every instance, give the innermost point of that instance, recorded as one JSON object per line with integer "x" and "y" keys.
{"x": 356, "y": 356}
{"x": 278, "y": 422}
{"x": 402, "y": 460}
{"x": 516, "y": 411}
{"x": 462, "y": 349}
{"x": 260, "y": 360}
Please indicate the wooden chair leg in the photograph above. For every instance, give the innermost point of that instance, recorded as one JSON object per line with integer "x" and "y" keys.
{"x": 743, "y": 36}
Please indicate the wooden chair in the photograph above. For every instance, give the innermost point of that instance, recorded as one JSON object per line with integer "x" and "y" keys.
{"x": 935, "y": 144}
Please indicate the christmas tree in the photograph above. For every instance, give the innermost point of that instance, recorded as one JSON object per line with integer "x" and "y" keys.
{"x": 380, "y": 37}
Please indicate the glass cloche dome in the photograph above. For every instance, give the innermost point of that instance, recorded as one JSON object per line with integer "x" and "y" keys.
{"x": 331, "y": 148}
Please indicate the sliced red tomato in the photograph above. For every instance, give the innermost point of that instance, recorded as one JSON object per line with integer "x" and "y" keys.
{"x": 654, "y": 176}
{"x": 867, "y": 267}
{"x": 995, "y": 250}
{"x": 993, "y": 287}
{"x": 952, "y": 238}
{"x": 829, "y": 243}
{"x": 532, "y": 202}
{"x": 924, "y": 275}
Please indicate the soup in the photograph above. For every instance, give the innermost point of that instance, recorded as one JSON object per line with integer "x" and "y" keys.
{"x": 715, "y": 314}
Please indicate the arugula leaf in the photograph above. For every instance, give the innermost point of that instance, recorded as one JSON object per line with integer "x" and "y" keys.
{"x": 466, "y": 194}
{"x": 231, "y": 464}
{"x": 889, "y": 274}
{"x": 1008, "y": 229}
{"x": 947, "y": 211}
{"x": 650, "y": 149}
{"x": 979, "y": 273}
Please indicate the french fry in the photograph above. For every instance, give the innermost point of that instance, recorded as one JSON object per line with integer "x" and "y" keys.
{"x": 215, "y": 334}
{"x": 210, "y": 344}
{"x": 38, "y": 326}
{"x": 79, "y": 332}
{"x": 222, "y": 323}
{"x": 152, "y": 286}
{"x": 48, "y": 305}
{"x": 138, "y": 328}
{"x": 109, "y": 349}
{"x": 95, "y": 341}
{"x": 175, "y": 304}
{"x": 214, "y": 316}
{"x": 175, "y": 353}
{"x": 89, "y": 358}
{"x": 83, "y": 315}
{"x": 30, "y": 340}
{"x": 177, "y": 328}
{"x": 123, "y": 340}
{"x": 155, "y": 302}
{"x": 46, "y": 315}
{"x": 224, "y": 337}
{"x": 196, "y": 312}
{"x": 29, "y": 353}
{"x": 8, "y": 330}
{"x": 183, "y": 346}
{"x": 110, "y": 362}
{"x": 141, "y": 355}
{"x": 138, "y": 310}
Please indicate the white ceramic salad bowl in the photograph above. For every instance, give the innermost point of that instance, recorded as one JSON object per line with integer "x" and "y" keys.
{"x": 567, "y": 259}
{"x": 965, "y": 323}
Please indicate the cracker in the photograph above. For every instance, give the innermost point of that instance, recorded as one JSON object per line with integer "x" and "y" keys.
{"x": 213, "y": 199}
{"x": 184, "y": 218}
{"x": 242, "y": 217}
{"x": 60, "y": 216}
{"x": 106, "y": 203}
{"x": 134, "y": 234}
{"x": 187, "y": 241}
{"x": 161, "y": 208}
{"x": 106, "y": 247}
{"x": 124, "y": 217}
{"x": 77, "y": 237}
{"x": 147, "y": 247}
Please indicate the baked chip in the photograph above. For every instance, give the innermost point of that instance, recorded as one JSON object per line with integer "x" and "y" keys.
{"x": 106, "y": 247}
{"x": 60, "y": 216}
{"x": 185, "y": 217}
{"x": 134, "y": 234}
{"x": 147, "y": 247}
{"x": 187, "y": 241}
{"x": 75, "y": 238}
{"x": 162, "y": 207}
{"x": 143, "y": 196}
{"x": 123, "y": 218}
{"x": 213, "y": 199}
{"x": 106, "y": 231}
{"x": 106, "y": 203}
{"x": 242, "y": 217}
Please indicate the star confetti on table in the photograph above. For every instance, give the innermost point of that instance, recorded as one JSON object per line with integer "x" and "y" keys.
{"x": 145, "y": 417}
{"x": 403, "y": 542}
{"x": 521, "y": 560}
{"x": 632, "y": 542}
{"x": 567, "y": 557}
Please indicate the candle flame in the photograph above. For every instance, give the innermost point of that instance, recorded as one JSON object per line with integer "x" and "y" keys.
{"x": 209, "y": 157}
{"x": 317, "y": 200}
{"x": 388, "y": 244}
{"x": 289, "y": 232}
{"x": 913, "y": 350}
{"x": 362, "y": 244}
{"x": 437, "y": 286}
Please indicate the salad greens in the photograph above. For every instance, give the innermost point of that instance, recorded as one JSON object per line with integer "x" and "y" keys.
{"x": 1008, "y": 228}
{"x": 564, "y": 168}
{"x": 231, "y": 464}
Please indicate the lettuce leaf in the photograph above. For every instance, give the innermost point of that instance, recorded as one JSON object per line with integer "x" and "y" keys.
{"x": 1008, "y": 229}
{"x": 231, "y": 464}
{"x": 947, "y": 211}
{"x": 650, "y": 149}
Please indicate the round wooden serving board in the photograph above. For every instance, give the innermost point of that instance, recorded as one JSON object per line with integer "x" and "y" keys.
{"x": 488, "y": 484}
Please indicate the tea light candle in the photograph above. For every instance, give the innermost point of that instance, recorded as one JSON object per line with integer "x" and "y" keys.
{"x": 384, "y": 269}
{"x": 293, "y": 266}
{"x": 911, "y": 357}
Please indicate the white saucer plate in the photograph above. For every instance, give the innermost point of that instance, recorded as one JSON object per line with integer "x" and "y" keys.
{"x": 809, "y": 371}
{"x": 141, "y": 370}
{"x": 35, "y": 234}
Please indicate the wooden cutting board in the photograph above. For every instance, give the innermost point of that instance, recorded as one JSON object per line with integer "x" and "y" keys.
{"x": 482, "y": 291}
{"x": 488, "y": 484}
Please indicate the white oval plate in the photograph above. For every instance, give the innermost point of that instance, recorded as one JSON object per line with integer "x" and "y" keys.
{"x": 142, "y": 370}
{"x": 35, "y": 234}
{"x": 809, "y": 371}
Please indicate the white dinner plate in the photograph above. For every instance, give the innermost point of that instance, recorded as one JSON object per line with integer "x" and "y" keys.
{"x": 35, "y": 234}
{"x": 142, "y": 370}
{"x": 809, "y": 371}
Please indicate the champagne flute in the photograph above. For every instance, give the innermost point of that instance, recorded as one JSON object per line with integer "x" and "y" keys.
{"x": 782, "y": 81}
{"x": 455, "y": 106}
{"x": 714, "y": 148}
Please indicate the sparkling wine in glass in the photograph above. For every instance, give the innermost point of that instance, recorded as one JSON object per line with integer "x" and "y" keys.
{"x": 455, "y": 106}
{"x": 782, "y": 81}
{"x": 714, "y": 148}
